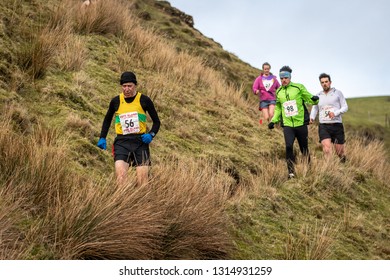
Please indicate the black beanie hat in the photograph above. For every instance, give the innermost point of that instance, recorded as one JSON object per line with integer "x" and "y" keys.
{"x": 128, "y": 77}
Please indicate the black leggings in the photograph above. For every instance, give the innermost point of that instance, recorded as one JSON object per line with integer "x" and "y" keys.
{"x": 290, "y": 133}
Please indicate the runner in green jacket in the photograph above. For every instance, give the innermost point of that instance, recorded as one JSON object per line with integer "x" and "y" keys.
{"x": 291, "y": 111}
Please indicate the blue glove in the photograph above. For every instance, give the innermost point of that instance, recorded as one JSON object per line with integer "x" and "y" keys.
{"x": 146, "y": 138}
{"x": 102, "y": 144}
{"x": 315, "y": 98}
{"x": 271, "y": 125}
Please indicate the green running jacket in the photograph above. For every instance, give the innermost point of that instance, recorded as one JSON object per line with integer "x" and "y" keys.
{"x": 290, "y": 106}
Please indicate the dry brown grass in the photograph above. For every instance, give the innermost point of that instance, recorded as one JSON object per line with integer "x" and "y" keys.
{"x": 101, "y": 17}
{"x": 36, "y": 56}
{"x": 351, "y": 220}
{"x": 327, "y": 176}
{"x": 315, "y": 213}
{"x": 52, "y": 47}
{"x": 76, "y": 123}
{"x": 72, "y": 53}
{"x": 57, "y": 43}
{"x": 178, "y": 215}
{"x": 11, "y": 246}
{"x": 106, "y": 222}
{"x": 31, "y": 164}
{"x": 59, "y": 46}
{"x": 311, "y": 243}
{"x": 189, "y": 221}
{"x": 364, "y": 159}
{"x": 369, "y": 158}
{"x": 193, "y": 198}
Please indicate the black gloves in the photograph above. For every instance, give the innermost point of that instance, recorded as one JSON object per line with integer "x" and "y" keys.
{"x": 315, "y": 98}
{"x": 271, "y": 125}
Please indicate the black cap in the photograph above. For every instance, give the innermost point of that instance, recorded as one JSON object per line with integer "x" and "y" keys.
{"x": 128, "y": 77}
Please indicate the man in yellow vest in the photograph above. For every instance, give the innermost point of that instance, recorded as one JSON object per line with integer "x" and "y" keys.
{"x": 131, "y": 144}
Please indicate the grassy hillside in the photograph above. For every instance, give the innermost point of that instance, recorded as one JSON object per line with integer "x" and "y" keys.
{"x": 218, "y": 185}
{"x": 370, "y": 117}
{"x": 177, "y": 28}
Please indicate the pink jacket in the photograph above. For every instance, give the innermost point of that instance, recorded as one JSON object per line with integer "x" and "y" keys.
{"x": 264, "y": 93}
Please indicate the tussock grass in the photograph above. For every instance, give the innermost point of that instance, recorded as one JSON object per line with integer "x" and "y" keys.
{"x": 370, "y": 158}
{"x": 74, "y": 122}
{"x": 194, "y": 201}
{"x": 52, "y": 47}
{"x": 11, "y": 246}
{"x": 169, "y": 219}
{"x": 103, "y": 222}
{"x": 327, "y": 175}
{"x": 179, "y": 215}
{"x": 32, "y": 164}
{"x": 101, "y": 17}
{"x": 311, "y": 243}
{"x": 36, "y": 56}
{"x": 72, "y": 54}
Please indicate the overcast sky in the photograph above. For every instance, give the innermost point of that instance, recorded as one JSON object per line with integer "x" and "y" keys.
{"x": 348, "y": 39}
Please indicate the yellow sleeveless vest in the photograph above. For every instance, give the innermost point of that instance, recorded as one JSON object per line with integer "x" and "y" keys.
{"x": 130, "y": 118}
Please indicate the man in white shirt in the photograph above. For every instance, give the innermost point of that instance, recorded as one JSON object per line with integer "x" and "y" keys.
{"x": 332, "y": 105}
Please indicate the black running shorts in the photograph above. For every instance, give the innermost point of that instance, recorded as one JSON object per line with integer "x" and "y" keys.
{"x": 334, "y": 131}
{"x": 131, "y": 149}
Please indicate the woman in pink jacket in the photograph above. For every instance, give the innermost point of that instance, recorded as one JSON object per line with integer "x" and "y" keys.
{"x": 265, "y": 87}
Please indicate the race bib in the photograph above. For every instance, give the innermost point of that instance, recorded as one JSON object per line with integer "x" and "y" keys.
{"x": 268, "y": 83}
{"x": 324, "y": 113}
{"x": 129, "y": 123}
{"x": 290, "y": 108}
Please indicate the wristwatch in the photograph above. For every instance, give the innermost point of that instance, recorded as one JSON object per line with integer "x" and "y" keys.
{"x": 153, "y": 134}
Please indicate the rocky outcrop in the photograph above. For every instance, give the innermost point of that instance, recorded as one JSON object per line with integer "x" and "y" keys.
{"x": 168, "y": 9}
